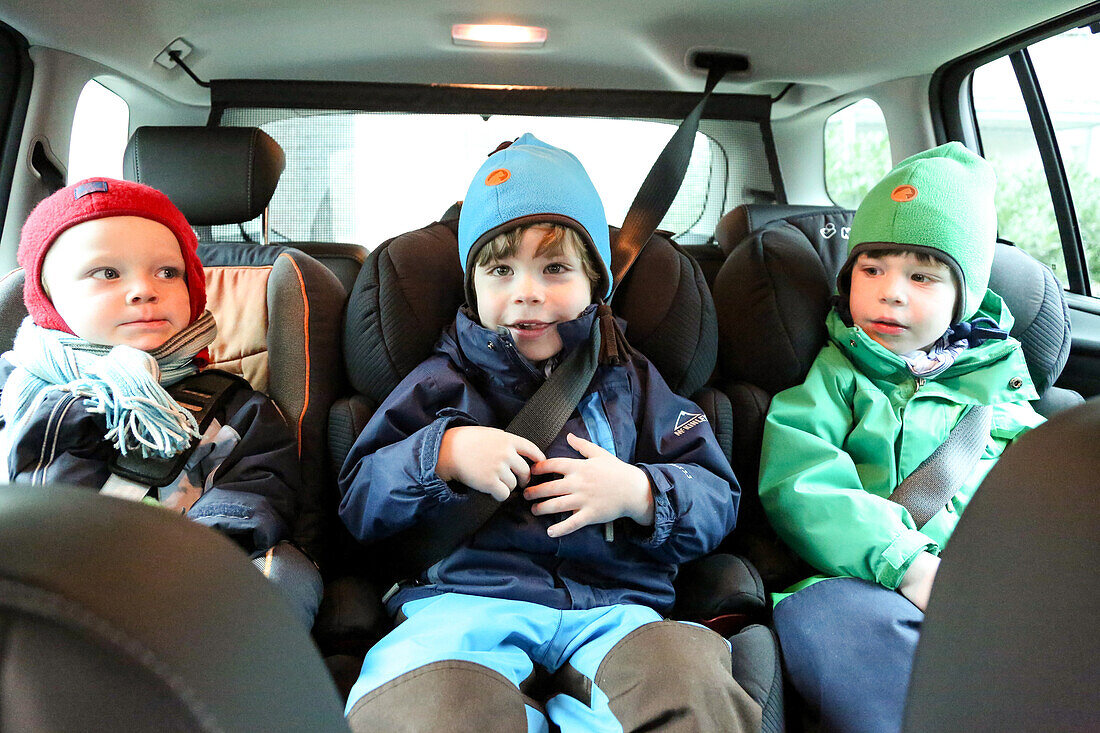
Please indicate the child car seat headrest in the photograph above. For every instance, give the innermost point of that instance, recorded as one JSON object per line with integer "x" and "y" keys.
{"x": 410, "y": 288}
{"x": 773, "y": 294}
{"x": 215, "y": 175}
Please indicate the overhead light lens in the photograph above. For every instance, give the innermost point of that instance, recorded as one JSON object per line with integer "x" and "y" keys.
{"x": 465, "y": 34}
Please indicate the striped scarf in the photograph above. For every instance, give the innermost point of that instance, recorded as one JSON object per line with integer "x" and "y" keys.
{"x": 125, "y": 384}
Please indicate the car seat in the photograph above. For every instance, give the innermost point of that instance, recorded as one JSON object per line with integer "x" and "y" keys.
{"x": 124, "y": 617}
{"x": 278, "y": 310}
{"x": 772, "y": 296}
{"x": 1009, "y": 638}
{"x": 409, "y": 290}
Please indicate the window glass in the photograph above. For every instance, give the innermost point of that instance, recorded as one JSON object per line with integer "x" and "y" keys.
{"x": 365, "y": 177}
{"x": 857, "y": 152}
{"x": 100, "y": 129}
{"x": 1025, "y": 213}
{"x": 1073, "y": 102}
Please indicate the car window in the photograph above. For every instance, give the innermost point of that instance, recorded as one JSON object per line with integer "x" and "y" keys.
{"x": 1012, "y": 138}
{"x": 857, "y": 152}
{"x": 364, "y": 177}
{"x": 100, "y": 129}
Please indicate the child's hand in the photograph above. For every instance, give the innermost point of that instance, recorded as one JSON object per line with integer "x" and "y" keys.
{"x": 597, "y": 488}
{"x": 916, "y": 584}
{"x": 488, "y": 460}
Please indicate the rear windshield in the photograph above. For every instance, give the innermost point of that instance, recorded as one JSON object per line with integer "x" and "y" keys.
{"x": 363, "y": 177}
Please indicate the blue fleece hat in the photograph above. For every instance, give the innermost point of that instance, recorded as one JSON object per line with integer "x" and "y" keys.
{"x": 526, "y": 183}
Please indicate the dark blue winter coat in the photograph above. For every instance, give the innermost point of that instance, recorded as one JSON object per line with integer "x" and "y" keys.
{"x": 477, "y": 377}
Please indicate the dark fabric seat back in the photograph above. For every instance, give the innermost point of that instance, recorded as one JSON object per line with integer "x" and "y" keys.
{"x": 124, "y": 617}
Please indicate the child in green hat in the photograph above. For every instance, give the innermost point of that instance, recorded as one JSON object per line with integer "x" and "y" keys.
{"x": 916, "y": 341}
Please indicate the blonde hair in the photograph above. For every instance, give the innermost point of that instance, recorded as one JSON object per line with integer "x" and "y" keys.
{"x": 559, "y": 239}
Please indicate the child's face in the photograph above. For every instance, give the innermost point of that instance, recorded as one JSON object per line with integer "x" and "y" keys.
{"x": 530, "y": 294}
{"x": 119, "y": 280}
{"x": 900, "y": 302}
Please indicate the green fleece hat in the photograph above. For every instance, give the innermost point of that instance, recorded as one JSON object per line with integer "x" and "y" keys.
{"x": 939, "y": 201}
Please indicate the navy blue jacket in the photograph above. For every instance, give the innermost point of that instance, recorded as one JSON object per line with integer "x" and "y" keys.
{"x": 477, "y": 377}
{"x": 241, "y": 480}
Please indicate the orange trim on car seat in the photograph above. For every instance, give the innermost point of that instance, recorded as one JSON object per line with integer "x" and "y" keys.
{"x": 305, "y": 329}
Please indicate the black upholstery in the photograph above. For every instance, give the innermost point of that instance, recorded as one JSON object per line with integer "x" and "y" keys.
{"x": 215, "y": 175}
{"x": 772, "y": 296}
{"x": 1009, "y": 640}
{"x": 119, "y": 616}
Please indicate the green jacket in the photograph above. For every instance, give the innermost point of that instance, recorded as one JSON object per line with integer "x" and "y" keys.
{"x": 838, "y": 444}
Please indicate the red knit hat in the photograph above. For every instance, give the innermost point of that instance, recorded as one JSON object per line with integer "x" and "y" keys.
{"x": 99, "y": 198}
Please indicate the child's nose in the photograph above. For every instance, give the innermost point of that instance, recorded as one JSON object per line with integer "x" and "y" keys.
{"x": 143, "y": 290}
{"x": 893, "y": 289}
{"x": 528, "y": 289}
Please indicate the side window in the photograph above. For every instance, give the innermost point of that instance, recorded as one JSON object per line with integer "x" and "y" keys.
{"x": 857, "y": 152}
{"x": 100, "y": 129}
{"x": 1038, "y": 119}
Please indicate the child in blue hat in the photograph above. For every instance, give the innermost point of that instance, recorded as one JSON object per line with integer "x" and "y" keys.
{"x": 543, "y": 594}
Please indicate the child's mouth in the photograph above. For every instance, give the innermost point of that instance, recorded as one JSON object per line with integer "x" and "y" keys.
{"x": 530, "y": 329}
{"x": 888, "y": 327}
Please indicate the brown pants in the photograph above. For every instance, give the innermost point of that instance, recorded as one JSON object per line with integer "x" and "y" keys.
{"x": 663, "y": 676}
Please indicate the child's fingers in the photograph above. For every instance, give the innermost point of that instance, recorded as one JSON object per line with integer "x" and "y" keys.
{"x": 554, "y": 465}
{"x": 557, "y": 487}
{"x": 499, "y": 490}
{"x": 567, "y": 526}
{"x": 556, "y": 505}
{"x": 586, "y": 448}
{"x": 520, "y": 469}
{"x": 527, "y": 449}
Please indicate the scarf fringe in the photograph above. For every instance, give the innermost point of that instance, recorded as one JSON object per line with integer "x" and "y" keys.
{"x": 124, "y": 384}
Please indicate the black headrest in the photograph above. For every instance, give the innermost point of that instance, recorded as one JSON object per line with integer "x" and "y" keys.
{"x": 772, "y": 296}
{"x": 411, "y": 287}
{"x": 773, "y": 293}
{"x": 747, "y": 218}
{"x": 119, "y": 616}
{"x": 215, "y": 175}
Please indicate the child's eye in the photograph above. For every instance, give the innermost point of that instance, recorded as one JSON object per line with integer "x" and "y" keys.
{"x": 870, "y": 270}
{"x": 169, "y": 273}
{"x": 920, "y": 277}
{"x": 557, "y": 268}
{"x": 106, "y": 273}
{"x": 500, "y": 270}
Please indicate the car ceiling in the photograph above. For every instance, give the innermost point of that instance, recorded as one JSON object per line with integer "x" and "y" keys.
{"x": 827, "y": 47}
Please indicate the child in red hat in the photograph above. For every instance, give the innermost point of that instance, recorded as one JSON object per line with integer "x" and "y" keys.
{"x": 117, "y": 317}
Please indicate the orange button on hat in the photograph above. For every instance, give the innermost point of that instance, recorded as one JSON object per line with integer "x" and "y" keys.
{"x": 904, "y": 193}
{"x": 497, "y": 177}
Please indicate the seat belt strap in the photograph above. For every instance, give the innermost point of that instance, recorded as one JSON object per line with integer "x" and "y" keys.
{"x": 931, "y": 485}
{"x": 203, "y": 394}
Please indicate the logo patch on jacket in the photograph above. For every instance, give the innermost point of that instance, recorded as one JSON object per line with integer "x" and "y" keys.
{"x": 687, "y": 420}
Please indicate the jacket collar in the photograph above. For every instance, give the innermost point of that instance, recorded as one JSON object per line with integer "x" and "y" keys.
{"x": 880, "y": 364}
{"x": 470, "y": 344}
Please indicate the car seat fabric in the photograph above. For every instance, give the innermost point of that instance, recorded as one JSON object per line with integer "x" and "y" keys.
{"x": 1009, "y": 639}
{"x": 278, "y": 310}
{"x": 112, "y": 618}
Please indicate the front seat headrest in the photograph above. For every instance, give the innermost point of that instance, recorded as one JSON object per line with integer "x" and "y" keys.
{"x": 215, "y": 175}
{"x": 115, "y": 615}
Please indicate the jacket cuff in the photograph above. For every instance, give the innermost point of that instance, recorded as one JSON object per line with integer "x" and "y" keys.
{"x": 433, "y": 486}
{"x": 899, "y": 555}
{"x": 664, "y": 514}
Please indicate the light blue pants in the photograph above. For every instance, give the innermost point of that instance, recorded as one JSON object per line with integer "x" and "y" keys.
{"x": 511, "y": 638}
